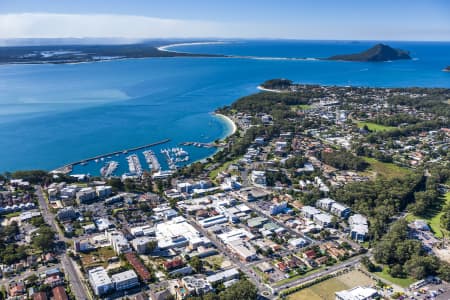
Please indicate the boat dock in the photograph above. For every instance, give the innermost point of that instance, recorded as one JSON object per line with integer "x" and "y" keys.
{"x": 109, "y": 168}
{"x": 134, "y": 165}
{"x": 152, "y": 160}
{"x": 68, "y": 168}
{"x": 200, "y": 145}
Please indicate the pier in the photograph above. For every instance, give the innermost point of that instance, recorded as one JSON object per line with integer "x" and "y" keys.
{"x": 68, "y": 168}
{"x": 200, "y": 145}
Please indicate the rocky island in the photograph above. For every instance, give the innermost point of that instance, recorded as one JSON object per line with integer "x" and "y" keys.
{"x": 447, "y": 69}
{"x": 377, "y": 53}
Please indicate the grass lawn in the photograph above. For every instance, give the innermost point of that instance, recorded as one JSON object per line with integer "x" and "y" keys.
{"x": 300, "y": 106}
{"x": 99, "y": 257}
{"x": 213, "y": 174}
{"x": 215, "y": 260}
{"x": 433, "y": 217}
{"x": 403, "y": 282}
{"x": 287, "y": 280}
{"x": 375, "y": 127}
{"x": 12, "y": 215}
{"x": 388, "y": 170}
{"x": 326, "y": 289}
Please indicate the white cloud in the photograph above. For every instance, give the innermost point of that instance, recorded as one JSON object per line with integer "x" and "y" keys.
{"x": 46, "y": 25}
{"x": 51, "y": 25}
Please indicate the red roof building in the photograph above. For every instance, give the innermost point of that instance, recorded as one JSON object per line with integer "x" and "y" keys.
{"x": 40, "y": 296}
{"x": 138, "y": 266}
{"x": 59, "y": 293}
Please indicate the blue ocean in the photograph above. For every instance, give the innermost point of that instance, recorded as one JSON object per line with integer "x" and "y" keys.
{"x": 51, "y": 115}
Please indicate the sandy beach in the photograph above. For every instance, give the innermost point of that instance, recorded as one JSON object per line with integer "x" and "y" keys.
{"x": 229, "y": 121}
{"x": 268, "y": 90}
{"x": 166, "y": 47}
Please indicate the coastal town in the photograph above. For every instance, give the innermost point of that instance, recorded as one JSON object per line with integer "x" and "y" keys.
{"x": 342, "y": 188}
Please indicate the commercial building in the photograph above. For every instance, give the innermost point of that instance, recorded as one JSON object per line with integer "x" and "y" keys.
{"x": 125, "y": 280}
{"x": 243, "y": 249}
{"x": 235, "y": 234}
{"x": 196, "y": 286}
{"x": 358, "y": 227}
{"x": 100, "y": 281}
{"x": 103, "y": 224}
{"x": 340, "y": 210}
{"x": 178, "y": 233}
{"x": 278, "y": 208}
{"x": 298, "y": 242}
{"x": 323, "y": 219}
{"x": 325, "y": 203}
{"x": 145, "y": 230}
{"x": 257, "y": 222}
{"x": 66, "y": 214}
{"x": 223, "y": 276}
{"x": 358, "y": 293}
{"x": 103, "y": 191}
{"x": 309, "y": 212}
{"x": 85, "y": 195}
{"x": 118, "y": 242}
{"x": 140, "y": 244}
{"x": 258, "y": 178}
{"x": 208, "y": 222}
{"x": 336, "y": 208}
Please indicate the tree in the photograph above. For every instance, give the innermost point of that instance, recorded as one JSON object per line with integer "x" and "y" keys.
{"x": 444, "y": 271}
{"x": 151, "y": 246}
{"x": 242, "y": 290}
{"x": 44, "y": 238}
{"x": 196, "y": 263}
{"x": 368, "y": 264}
{"x": 421, "y": 266}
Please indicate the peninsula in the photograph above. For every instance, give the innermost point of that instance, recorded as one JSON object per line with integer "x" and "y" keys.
{"x": 63, "y": 54}
{"x": 378, "y": 53}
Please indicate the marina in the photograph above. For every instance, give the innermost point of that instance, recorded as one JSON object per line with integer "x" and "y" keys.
{"x": 108, "y": 169}
{"x": 174, "y": 156}
{"x": 69, "y": 167}
{"x": 152, "y": 160}
{"x": 134, "y": 165}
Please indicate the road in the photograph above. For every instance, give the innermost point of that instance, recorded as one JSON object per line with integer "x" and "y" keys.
{"x": 257, "y": 209}
{"x": 77, "y": 286}
{"x": 221, "y": 247}
{"x": 20, "y": 277}
{"x": 345, "y": 264}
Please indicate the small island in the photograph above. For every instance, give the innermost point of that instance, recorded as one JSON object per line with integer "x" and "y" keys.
{"x": 377, "y": 53}
{"x": 447, "y": 69}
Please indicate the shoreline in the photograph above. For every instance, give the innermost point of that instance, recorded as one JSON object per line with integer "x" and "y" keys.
{"x": 259, "y": 87}
{"x": 165, "y": 48}
{"x": 230, "y": 123}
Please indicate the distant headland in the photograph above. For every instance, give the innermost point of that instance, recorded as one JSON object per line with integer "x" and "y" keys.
{"x": 447, "y": 69}
{"x": 378, "y": 53}
{"x": 66, "y": 54}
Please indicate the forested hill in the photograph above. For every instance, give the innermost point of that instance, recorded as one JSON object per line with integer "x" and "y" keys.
{"x": 377, "y": 53}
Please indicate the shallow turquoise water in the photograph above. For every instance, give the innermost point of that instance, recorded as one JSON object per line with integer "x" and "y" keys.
{"x": 54, "y": 114}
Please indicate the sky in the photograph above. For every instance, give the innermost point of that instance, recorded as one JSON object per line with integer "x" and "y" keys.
{"x": 413, "y": 20}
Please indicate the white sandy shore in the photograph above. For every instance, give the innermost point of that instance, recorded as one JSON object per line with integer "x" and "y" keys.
{"x": 268, "y": 90}
{"x": 230, "y": 122}
{"x": 166, "y": 47}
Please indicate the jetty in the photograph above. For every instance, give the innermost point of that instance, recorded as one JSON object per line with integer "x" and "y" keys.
{"x": 200, "y": 145}
{"x": 152, "y": 160}
{"x": 68, "y": 168}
